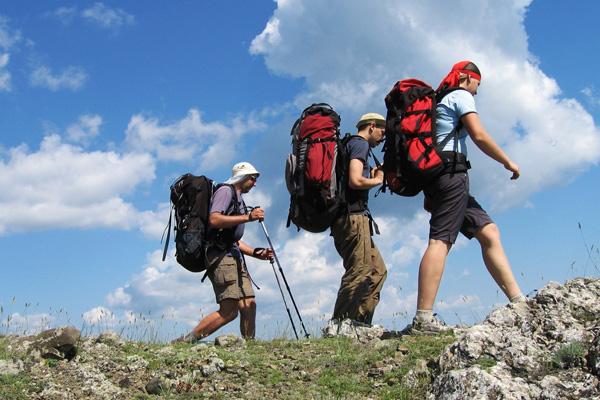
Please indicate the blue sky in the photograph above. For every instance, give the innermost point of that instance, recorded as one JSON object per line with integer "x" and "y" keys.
{"x": 104, "y": 104}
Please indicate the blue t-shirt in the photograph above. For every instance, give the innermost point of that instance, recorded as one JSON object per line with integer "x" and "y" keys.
{"x": 449, "y": 112}
{"x": 358, "y": 148}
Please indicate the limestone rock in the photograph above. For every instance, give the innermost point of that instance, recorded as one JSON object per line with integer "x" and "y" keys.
{"x": 10, "y": 367}
{"x": 593, "y": 356}
{"x": 230, "y": 341}
{"x": 544, "y": 348}
{"x": 213, "y": 366}
{"x": 354, "y": 330}
{"x": 58, "y": 343}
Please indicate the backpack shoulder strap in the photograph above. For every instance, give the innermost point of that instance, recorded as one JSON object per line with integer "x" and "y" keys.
{"x": 346, "y": 139}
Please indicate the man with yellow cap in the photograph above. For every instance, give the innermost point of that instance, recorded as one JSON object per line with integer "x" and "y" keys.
{"x": 227, "y": 272}
{"x": 365, "y": 270}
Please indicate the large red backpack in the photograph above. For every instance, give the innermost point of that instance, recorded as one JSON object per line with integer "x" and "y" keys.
{"x": 314, "y": 169}
{"x": 412, "y": 156}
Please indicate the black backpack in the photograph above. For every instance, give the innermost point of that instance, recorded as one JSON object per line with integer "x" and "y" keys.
{"x": 314, "y": 169}
{"x": 190, "y": 199}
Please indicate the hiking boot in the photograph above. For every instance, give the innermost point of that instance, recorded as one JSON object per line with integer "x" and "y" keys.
{"x": 429, "y": 326}
{"x": 189, "y": 338}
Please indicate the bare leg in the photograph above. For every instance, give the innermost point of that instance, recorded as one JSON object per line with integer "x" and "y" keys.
{"x": 228, "y": 310}
{"x": 496, "y": 261}
{"x": 247, "y": 307}
{"x": 430, "y": 272}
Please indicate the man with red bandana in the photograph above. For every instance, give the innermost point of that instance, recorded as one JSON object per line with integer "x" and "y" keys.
{"x": 447, "y": 197}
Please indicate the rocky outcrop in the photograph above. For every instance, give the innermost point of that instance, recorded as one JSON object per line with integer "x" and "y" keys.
{"x": 355, "y": 330}
{"x": 544, "y": 348}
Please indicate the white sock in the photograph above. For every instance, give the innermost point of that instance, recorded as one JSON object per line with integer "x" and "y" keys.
{"x": 424, "y": 315}
{"x": 518, "y": 298}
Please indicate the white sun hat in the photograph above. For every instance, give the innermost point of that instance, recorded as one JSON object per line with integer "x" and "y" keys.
{"x": 240, "y": 171}
{"x": 367, "y": 118}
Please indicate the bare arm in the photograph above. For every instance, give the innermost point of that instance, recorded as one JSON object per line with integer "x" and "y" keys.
{"x": 265, "y": 254}
{"x": 222, "y": 221}
{"x": 357, "y": 181}
{"x": 486, "y": 143}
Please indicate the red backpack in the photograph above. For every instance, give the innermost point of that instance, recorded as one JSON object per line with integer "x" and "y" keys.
{"x": 314, "y": 169}
{"x": 412, "y": 156}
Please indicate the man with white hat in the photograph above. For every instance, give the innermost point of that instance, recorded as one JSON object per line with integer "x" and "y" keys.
{"x": 227, "y": 272}
{"x": 365, "y": 270}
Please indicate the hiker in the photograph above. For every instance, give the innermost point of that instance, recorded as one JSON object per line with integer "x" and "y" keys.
{"x": 365, "y": 270}
{"x": 227, "y": 272}
{"x": 447, "y": 198}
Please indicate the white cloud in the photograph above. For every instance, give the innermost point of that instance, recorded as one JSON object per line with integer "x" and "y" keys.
{"x": 72, "y": 78}
{"x": 64, "y": 14}
{"x": 86, "y": 128}
{"x": 99, "y": 315}
{"x": 354, "y": 68}
{"x": 60, "y": 185}
{"x": 4, "y": 75}
{"x": 107, "y": 17}
{"x": 8, "y": 39}
{"x": 462, "y": 301}
{"x": 269, "y": 37}
{"x": 119, "y": 298}
{"x": 164, "y": 288}
{"x": 213, "y": 143}
{"x": 257, "y": 197}
{"x": 152, "y": 223}
{"x": 591, "y": 96}
{"x": 28, "y": 324}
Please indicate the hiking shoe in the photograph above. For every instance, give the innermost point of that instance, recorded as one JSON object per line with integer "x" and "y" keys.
{"x": 429, "y": 326}
{"x": 189, "y": 338}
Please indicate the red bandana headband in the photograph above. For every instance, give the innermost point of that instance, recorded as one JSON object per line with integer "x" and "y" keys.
{"x": 453, "y": 78}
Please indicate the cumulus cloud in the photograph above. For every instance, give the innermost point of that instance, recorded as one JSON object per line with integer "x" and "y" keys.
{"x": 99, "y": 315}
{"x": 214, "y": 144}
{"x": 164, "y": 288}
{"x": 85, "y": 129}
{"x": 61, "y": 185}
{"x": 71, "y": 78}
{"x": 353, "y": 69}
{"x": 107, "y": 17}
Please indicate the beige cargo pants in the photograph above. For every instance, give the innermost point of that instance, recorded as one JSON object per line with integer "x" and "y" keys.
{"x": 365, "y": 270}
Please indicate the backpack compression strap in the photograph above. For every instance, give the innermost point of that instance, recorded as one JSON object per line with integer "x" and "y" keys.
{"x": 168, "y": 230}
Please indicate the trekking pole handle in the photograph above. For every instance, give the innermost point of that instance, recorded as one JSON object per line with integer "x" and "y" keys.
{"x": 250, "y": 212}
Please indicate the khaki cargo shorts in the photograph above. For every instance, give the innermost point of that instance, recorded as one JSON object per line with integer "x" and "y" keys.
{"x": 229, "y": 281}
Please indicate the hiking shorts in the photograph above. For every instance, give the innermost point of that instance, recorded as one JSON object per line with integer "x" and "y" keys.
{"x": 230, "y": 281}
{"x": 453, "y": 209}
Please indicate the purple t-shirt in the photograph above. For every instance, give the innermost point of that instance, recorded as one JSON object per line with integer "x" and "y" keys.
{"x": 221, "y": 203}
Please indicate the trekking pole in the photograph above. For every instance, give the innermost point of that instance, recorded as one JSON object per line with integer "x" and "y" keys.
{"x": 262, "y": 223}
{"x": 284, "y": 301}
